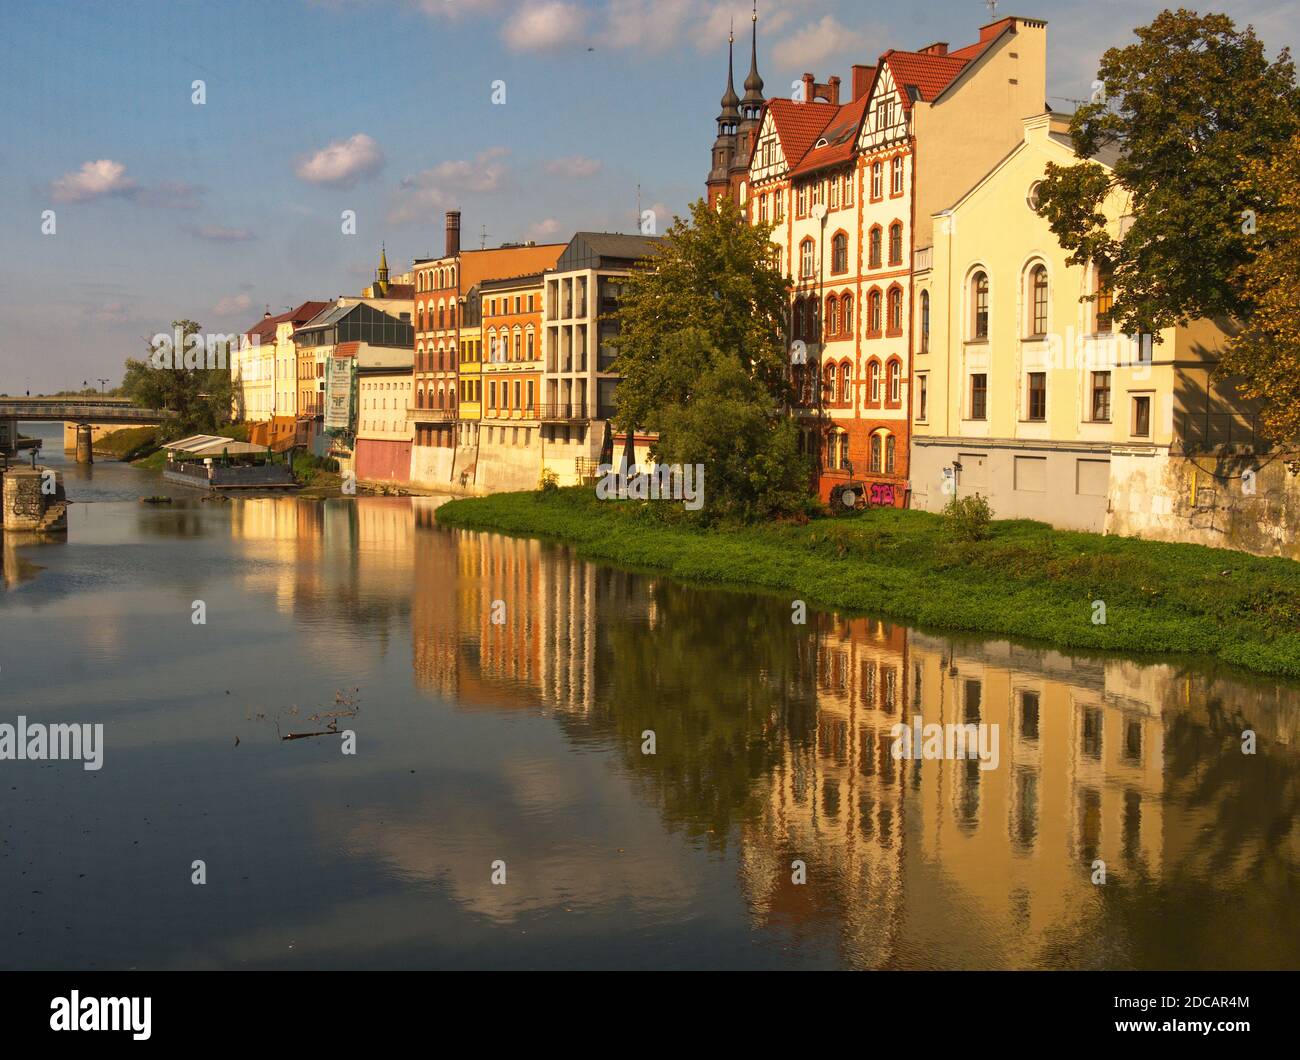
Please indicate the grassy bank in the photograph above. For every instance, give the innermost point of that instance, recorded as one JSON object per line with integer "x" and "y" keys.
{"x": 1024, "y": 580}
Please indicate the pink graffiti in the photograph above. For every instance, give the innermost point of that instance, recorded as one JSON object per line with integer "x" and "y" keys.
{"x": 882, "y": 494}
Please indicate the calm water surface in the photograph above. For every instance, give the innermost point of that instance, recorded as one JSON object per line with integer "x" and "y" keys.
{"x": 522, "y": 743}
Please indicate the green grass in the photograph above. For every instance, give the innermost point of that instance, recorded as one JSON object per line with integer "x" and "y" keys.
{"x": 1026, "y": 580}
{"x": 128, "y": 443}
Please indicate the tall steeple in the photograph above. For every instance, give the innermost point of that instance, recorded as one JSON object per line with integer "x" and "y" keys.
{"x": 752, "y": 104}
{"x": 724, "y": 146}
{"x": 382, "y": 273}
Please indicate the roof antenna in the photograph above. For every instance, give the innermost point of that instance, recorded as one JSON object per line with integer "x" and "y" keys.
{"x": 637, "y": 227}
{"x": 482, "y": 238}
{"x": 993, "y": 8}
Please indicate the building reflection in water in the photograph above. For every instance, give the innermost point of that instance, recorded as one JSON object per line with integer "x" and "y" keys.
{"x": 774, "y": 745}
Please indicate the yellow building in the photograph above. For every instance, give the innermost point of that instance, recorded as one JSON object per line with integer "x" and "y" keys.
{"x": 1024, "y": 392}
{"x": 470, "y": 364}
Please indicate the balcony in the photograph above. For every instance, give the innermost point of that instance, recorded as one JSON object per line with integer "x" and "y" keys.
{"x": 430, "y": 415}
{"x": 923, "y": 259}
{"x": 573, "y": 412}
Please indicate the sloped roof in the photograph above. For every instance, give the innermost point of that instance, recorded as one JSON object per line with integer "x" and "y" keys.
{"x": 798, "y": 125}
{"x": 265, "y": 328}
{"x": 929, "y": 74}
{"x": 619, "y": 245}
{"x": 213, "y": 445}
{"x": 841, "y": 136}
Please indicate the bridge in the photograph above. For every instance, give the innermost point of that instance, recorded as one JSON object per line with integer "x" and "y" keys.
{"x": 80, "y": 411}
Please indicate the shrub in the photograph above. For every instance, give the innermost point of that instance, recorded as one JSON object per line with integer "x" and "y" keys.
{"x": 550, "y": 481}
{"x": 967, "y": 518}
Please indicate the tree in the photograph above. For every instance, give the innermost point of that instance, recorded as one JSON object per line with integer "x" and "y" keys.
{"x": 701, "y": 352}
{"x": 712, "y": 274}
{"x": 1188, "y": 108}
{"x": 1265, "y": 354}
{"x": 733, "y": 427}
{"x": 200, "y": 397}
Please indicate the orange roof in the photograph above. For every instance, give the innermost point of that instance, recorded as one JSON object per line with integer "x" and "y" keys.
{"x": 840, "y": 134}
{"x": 476, "y": 265}
{"x": 798, "y": 125}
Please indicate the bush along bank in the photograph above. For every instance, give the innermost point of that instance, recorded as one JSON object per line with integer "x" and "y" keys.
{"x": 1012, "y": 577}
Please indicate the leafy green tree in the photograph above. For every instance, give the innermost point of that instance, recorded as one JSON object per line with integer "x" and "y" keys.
{"x": 733, "y": 427}
{"x": 701, "y": 351}
{"x": 1264, "y": 356}
{"x": 713, "y": 273}
{"x": 200, "y": 397}
{"x": 1188, "y": 107}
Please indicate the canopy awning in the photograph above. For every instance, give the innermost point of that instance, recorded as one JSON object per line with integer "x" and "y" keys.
{"x": 204, "y": 445}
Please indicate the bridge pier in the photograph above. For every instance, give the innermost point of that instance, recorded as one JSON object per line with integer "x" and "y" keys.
{"x": 33, "y": 499}
{"x": 85, "y": 454}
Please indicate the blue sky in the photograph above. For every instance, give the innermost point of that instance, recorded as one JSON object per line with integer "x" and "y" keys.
{"x": 167, "y": 209}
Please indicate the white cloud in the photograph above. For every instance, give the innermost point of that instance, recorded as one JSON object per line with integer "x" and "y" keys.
{"x": 574, "y": 166}
{"x": 94, "y": 180}
{"x": 817, "y": 42}
{"x": 544, "y": 229}
{"x": 428, "y": 192}
{"x": 543, "y": 25}
{"x": 645, "y": 25}
{"x": 222, "y": 234}
{"x": 237, "y": 303}
{"x": 342, "y": 162}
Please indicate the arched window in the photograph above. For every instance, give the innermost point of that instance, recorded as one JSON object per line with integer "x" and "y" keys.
{"x": 979, "y": 297}
{"x": 840, "y": 253}
{"x": 895, "y": 382}
{"x": 875, "y": 180}
{"x": 846, "y": 315}
{"x": 441, "y": 397}
{"x": 846, "y": 379}
{"x": 828, "y": 385}
{"x": 800, "y": 323}
{"x": 873, "y": 259}
{"x": 843, "y": 450}
{"x": 806, "y": 259}
{"x": 876, "y": 449}
{"x": 832, "y": 315}
{"x": 895, "y": 320}
{"x": 531, "y": 345}
{"x": 873, "y": 313}
{"x": 419, "y": 398}
{"x": 1038, "y": 300}
{"x": 873, "y": 381}
{"x": 519, "y": 342}
{"x": 451, "y": 397}
{"x": 896, "y": 243}
{"x": 442, "y": 314}
{"x": 925, "y": 321}
{"x": 896, "y": 176}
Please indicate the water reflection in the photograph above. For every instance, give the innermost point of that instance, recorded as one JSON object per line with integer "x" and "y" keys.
{"x": 535, "y": 677}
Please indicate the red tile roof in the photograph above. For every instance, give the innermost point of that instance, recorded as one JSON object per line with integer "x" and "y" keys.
{"x": 798, "y": 125}
{"x": 265, "y": 328}
{"x": 841, "y": 136}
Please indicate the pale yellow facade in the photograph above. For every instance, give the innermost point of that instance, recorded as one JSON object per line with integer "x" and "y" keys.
{"x": 1023, "y": 392}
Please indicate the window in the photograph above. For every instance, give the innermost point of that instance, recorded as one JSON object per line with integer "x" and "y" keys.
{"x": 896, "y": 176}
{"x": 979, "y": 290}
{"x": 840, "y": 253}
{"x": 890, "y": 448}
{"x": 846, "y": 392}
{"x": 1101, "y": 397}
{"x": 1142, "y": 416}
{"x": 896, "y": 310}
{"x": 896, "y": 243}
{"x": 875, "y": 180}
{"x": 801, "y": 201}
{"x": 925, "y": 321}
{"x": 1104, "y": 304}
{"x": 835, "y": 193}
{"x": 873, "y": 313}
{"x": 779, "y": 205}
{"x": 979, "y": 396}
{"x": 832, "y": 314}
{"x": 806, "y": 259}
{"x": 848, "y": 189}
{"x": 846, "y": 315}
{"x": 1038, "y": 300}
{"x": 844, "y": 450}
{"x": 895, "y": 382}
{"x": 1032, "y": 197}
{"x": 873, "y": 258}
{"x": 828, "y": 385}
{"x": 922, "y": 397}
{"x": 873, "y": 381}
{"x": 1037, "y": 396}
{"x": 884, "y": 114}
{"x": 762, "y": 209}
{"x": 798, "y": 318}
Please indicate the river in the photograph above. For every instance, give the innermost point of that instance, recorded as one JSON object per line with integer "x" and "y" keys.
{"x": 501, "y": 809}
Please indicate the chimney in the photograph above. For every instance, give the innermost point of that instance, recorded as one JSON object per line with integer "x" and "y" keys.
{"x": 834, "y": 85}
{"x": 937, "y": 48}
{"x": 862, "y": 80}
{"x": 453, "y": 233}
{"x": 809, "y": 87}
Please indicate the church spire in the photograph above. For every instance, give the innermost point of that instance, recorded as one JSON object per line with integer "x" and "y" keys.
{"x": 753, "y": 83}
{"x": 730, "y": 101}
